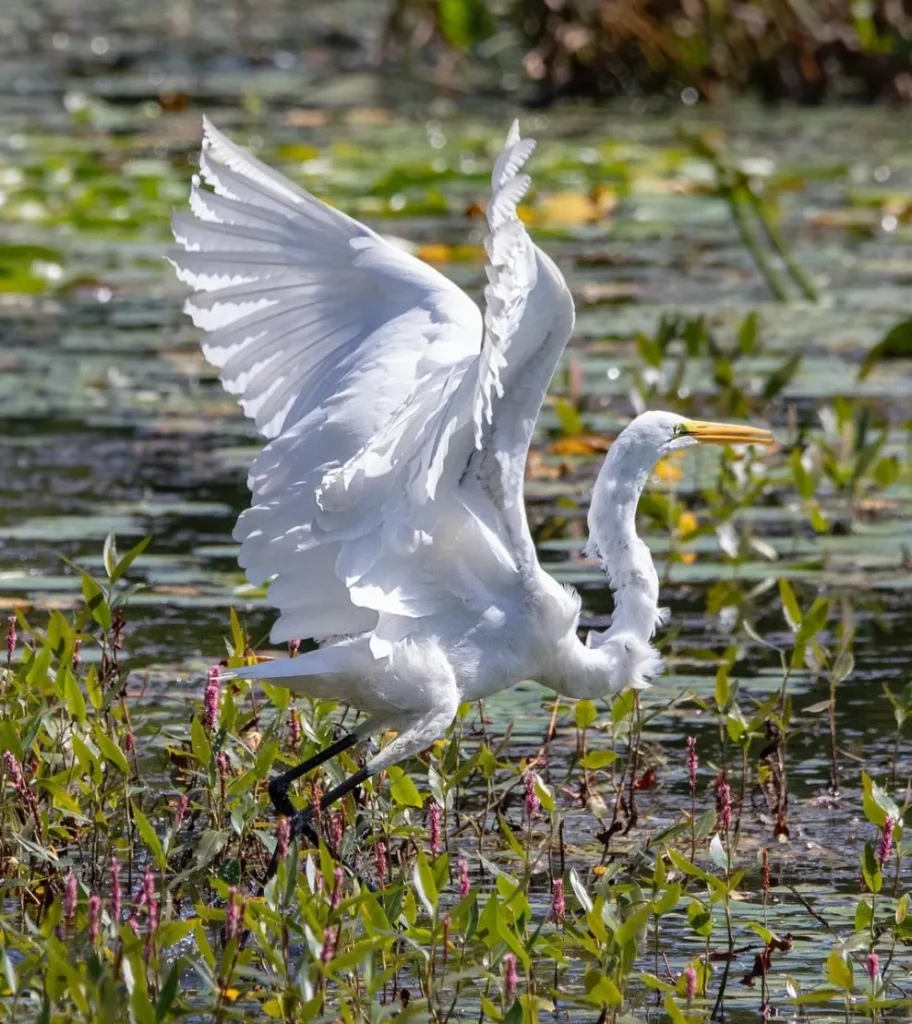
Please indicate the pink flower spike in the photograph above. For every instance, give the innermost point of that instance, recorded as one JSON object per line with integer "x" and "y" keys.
{"x": 886, "y": 841}
{"x": 533, "y": 804}
{"x": 382, "y": 861}
{"x": 212, "y": 698}
{"x": 233, "y": 914}
{"x": 434, "y": 843}
{"x": 338, "y": 882}
{"x": 283, "y": 837}
{"x": 11, "y": 639}
{"x": 724, "y": 804}
{"x": 872, "y": 966}
{"x": 94, "y": 916}
{"x": 69, "y": 896}
{"x": 182, "y": 806}
{"x": 294, "y": 729}
{"x": 511, "y": 978}
{"x": 693, "y": 762}
{"x": 329, "y": 945}
{"x": 116, "y": 892}
{"x": 464, "y": 885}
{"x": 690, "y": 984}
{"x": 558, "y": 906}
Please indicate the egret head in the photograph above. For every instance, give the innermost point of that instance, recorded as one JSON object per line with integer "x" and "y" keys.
{"x": 654, "y": 434}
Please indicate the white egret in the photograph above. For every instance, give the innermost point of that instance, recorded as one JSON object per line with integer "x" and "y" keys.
{"x": 388, "y": 507}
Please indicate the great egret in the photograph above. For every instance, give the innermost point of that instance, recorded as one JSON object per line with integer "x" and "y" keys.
{"x": 388, "y": 504}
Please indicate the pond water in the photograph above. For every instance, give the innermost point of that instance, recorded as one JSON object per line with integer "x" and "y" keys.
{"x": 110, "y": 420}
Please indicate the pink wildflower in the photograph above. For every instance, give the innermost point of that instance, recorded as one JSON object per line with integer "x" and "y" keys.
{"x": 69, "y": 896}
{"x": 338, "y": 881}
{"x": 129, "y": 742}
{"x": 94, "y": 916}
{"x": 511, "y": 979}
{"x": 294, "y": 729}
{"x": 116, "y": 892}
{"x": 434, "y": 828}
{"x": 233, "y": 914}
{"x": 766, "y": 871}
{"x": 148, "y": 887}
{"x": 886, "y": 841}
{"x": 336, "y": 828}
{"x": 329, "y": 945}
{"x": 558, "y": 906}
{"x": 133, "y": 925}
{"x": 182, "y": 806}
{"x": 724, "y": 805}
{"x": 690, "y": 984}
{"x": 224, "y": 769}
{"x": 464, "y": 886}
{"x": 382, "y": 861}
{"x": 533, "y": 804}
{"x": 283, "y": 837}
{"x": 11, "y": 639}
{"x": 27, "y": 797}
{"x": 693, "y": 762}
{"x": 872, "y": 965}
{"x": 211, "y": 698}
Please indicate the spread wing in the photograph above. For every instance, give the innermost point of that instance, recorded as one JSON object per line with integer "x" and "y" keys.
{"x": 373, "y": 378}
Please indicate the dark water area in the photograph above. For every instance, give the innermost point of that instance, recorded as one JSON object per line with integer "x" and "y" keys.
{"x": 110, "y": 421}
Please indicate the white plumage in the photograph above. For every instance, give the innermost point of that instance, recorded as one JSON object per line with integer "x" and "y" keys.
{"x": 388, "y": 504}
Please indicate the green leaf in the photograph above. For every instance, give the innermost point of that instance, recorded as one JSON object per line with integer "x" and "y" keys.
{"x": 167, "y": 993}
{"x": 633, "y": 924}
{"x": 601, "y": 990}
{"x": 668, "y": 900}
{"x": 75, "y": 702}
{"x": 789, "y": 604}
{"x": 403, "y": 791}
{"x": 111, "y": 750}
{"x": 109, "y": 554}
{"x": 568, "y": 416}
{"x": 839, "y": 970}
{"x": 895, "y": 344}
{"x": 96, "y": 602}
{"x": 38, "y": 670}
{"x": 723, "y": 689}
{"x": 718, "y": 854}
{"x": 878, "y": 806}
{"x": 579, "y": 890}
{"x": 864, "y": 915}
{"x": 129, "y": 558}
{"x": 597, "y": 759}
{"x": 748, "y": 335}
{"x": 425, "y": 885}
{"x": 585, "y": 713}
{"x": 870, "y": 869}
{"x": 150, "y": 838}
{"x": 199, "y": 742}
{"x": 699, "y": 918}
{"x": 237, "y": 634}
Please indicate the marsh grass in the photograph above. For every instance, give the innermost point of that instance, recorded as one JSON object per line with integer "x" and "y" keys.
{"x": 131, "y": 855}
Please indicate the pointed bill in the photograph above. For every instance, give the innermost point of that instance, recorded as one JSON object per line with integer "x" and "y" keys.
{"x": 728, "y": 433}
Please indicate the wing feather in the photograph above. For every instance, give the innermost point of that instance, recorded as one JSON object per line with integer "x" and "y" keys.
{"x": 374, "y": 379}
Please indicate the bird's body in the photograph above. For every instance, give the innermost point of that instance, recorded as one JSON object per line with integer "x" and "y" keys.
{"x": 388, "y": 508}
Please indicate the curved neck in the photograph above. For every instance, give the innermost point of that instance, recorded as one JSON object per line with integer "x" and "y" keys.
{"x": 624, "y": 557}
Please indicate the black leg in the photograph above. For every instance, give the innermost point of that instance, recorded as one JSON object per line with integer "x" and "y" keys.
{"x": 300, "y": 820}
{"x": 278, "y": 787}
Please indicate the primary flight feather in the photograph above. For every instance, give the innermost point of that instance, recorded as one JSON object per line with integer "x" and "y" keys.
{"x": 388, "y": 507}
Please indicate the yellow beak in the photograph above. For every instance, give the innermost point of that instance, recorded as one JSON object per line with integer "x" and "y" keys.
{"x": 728, "y": 433}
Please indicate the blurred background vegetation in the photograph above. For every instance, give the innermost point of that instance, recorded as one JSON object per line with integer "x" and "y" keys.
{"x": 807, "y": 51}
